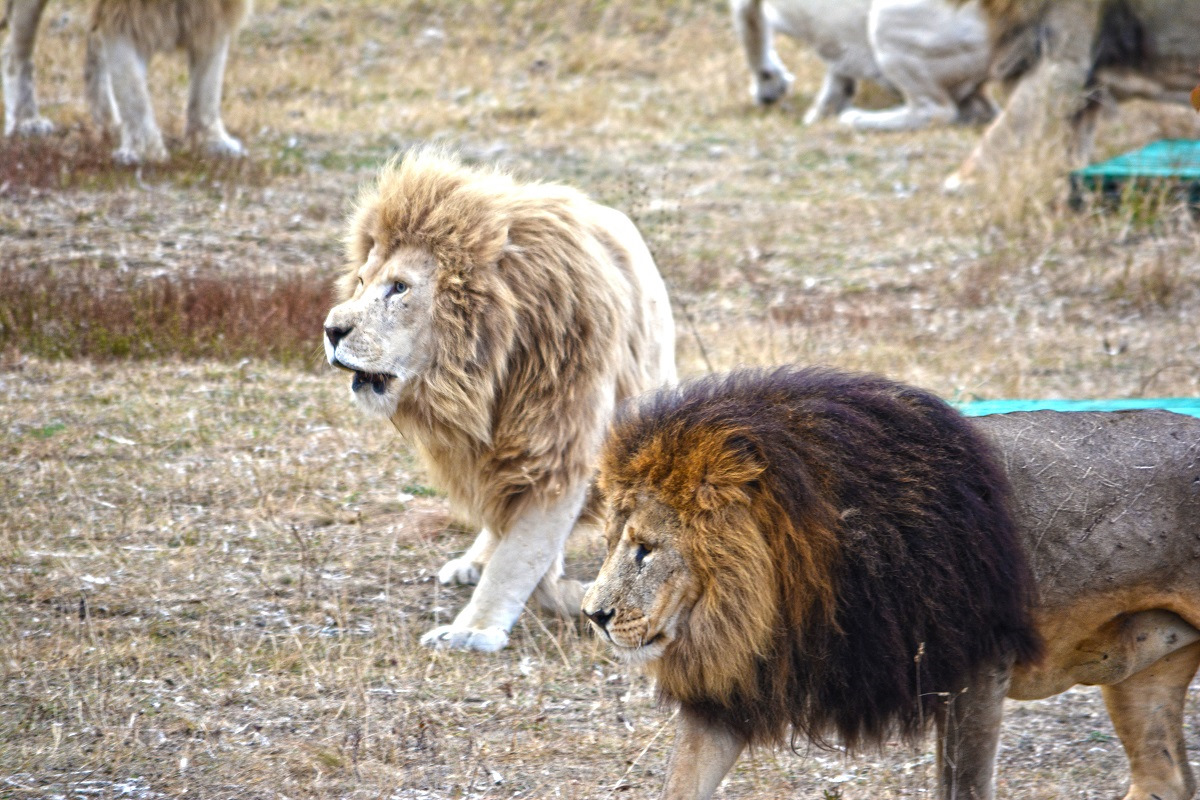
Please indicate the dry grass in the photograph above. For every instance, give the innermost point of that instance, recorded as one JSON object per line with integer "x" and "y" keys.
{"x": 213, "y": 575}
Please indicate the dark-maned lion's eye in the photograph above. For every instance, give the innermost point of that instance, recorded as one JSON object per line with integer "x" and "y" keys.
{"x": 640, "y": 554}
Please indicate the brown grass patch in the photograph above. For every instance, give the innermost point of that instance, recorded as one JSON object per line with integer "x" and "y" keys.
{"x": 78, "y": 160}
{"x": 86, "y": 311}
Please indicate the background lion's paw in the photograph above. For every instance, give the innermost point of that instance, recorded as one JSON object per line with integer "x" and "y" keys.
{"x": 454, "y": 637}
{"x": 461, "y": 571}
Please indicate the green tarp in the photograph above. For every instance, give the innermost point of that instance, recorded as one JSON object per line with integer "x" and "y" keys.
{"x": 1170, "y": 163}
{"x": 1180, "y": 405}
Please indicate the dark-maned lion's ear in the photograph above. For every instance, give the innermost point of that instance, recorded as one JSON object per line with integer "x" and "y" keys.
{"x": 729, "y": 474}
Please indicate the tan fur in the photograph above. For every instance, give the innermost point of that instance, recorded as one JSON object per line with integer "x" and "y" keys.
{"x": 163, "y": 25}
{"x": 532, "y": 311}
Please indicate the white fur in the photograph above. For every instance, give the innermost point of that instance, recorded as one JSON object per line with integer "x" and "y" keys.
{"x": 933, "y": 52}
{"x": 528, "y": 555}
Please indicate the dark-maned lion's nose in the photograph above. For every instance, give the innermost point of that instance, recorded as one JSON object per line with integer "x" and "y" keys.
{"x": 600, "y": 617}
{"x": 335, "y": 334}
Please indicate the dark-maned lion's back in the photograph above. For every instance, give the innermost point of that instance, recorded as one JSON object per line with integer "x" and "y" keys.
{"x": 920, "y": 579}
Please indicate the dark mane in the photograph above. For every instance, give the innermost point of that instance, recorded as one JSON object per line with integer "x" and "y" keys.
{"x": 924, "y": 579}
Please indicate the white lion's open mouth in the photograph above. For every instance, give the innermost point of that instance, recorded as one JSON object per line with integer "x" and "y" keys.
{"x": 378, "y": 381}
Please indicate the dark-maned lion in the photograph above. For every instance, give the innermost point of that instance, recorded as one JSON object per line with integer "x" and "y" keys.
{"x": 1072, "y": 56}
{"x": 124, "y": 35}
{"x": 496, "y": 324}
{"x": 842, "y": 556}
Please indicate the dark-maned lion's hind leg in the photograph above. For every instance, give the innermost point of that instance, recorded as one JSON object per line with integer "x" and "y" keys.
{"x": 1147, "y": 712}
{"x": 968, "y": 734}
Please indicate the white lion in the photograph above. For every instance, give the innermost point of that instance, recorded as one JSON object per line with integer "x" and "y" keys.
{"x": 935, "y": 53}
{"x": 124, "y": 35}
{"x": 497, "y": 324}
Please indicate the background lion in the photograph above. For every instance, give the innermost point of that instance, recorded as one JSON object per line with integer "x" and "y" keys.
{"x": 834, "y": 554}
{"x": 1075, "y": 55}
{"x": 124, "y": 35}
{"x": 496, "y": 325}
{"x": 932, "y": 52}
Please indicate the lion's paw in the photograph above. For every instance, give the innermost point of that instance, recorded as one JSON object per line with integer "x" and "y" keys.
{"x": 33, "y": 127}
{"x": 770, "y": 85}
{"x": 131, "y": 156}
{"x": 225, "y": 146}
{"x": 461, "y": 571}
{"x": 454, "y": 637}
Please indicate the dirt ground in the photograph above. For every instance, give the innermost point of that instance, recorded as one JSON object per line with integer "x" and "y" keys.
{"x": 213, "y": 575}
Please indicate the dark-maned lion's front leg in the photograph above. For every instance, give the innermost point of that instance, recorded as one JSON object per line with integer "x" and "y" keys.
{"x": 968, "y": 727}
{"x": 703, "y": 753}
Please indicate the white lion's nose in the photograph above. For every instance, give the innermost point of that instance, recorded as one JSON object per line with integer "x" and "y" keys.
{"x": 335, "y": 334}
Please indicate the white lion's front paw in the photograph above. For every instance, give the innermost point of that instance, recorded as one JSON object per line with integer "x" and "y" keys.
{"x": 770, "y": 85}
{"x": 224, "y": 146}
{"x": 154, "y": 153}
{"x": 454, "y": 637}
{"x": 33, "y": 126}
{"x": 461, "y": 571}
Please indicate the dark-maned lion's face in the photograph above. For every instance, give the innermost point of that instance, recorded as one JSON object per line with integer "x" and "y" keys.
{"x": 643, "y": 596}
{"x": 383, "y": 331}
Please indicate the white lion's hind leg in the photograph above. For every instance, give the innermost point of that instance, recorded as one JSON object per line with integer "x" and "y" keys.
{"x": 204, "y": 126}
{"x": 466, "y": 569}
{"x": 140, "y": 137}
{"x": 902, "y": 118}
{"x": 557, "y": 594}
{"x": 835, "y": 92}
{"x": 21, "y": 117}
{"x": 521, "y": 558}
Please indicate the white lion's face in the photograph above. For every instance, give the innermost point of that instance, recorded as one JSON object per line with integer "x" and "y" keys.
{"x": 384, "y": 332}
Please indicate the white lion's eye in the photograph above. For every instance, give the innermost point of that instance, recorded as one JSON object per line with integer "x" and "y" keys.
{"x": 399, "y": 287}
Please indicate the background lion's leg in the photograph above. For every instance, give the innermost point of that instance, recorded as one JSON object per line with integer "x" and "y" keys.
{"x": 702, "y": 755}
{"x": 523, "y": 555}
{"x": 467, "y": 568}
{"x": 21, "y": 115}
{"x": 833, "y": 96}
{"x": 770, "y": 80}
{"x": 1147, "y": 713}
{"x": 968, "y": 728}
{"x": 206, "y": 73}
{"x": 140, "y": 138}
{"x": 98, "y": 83}
{"x": 1039, "y": 119}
